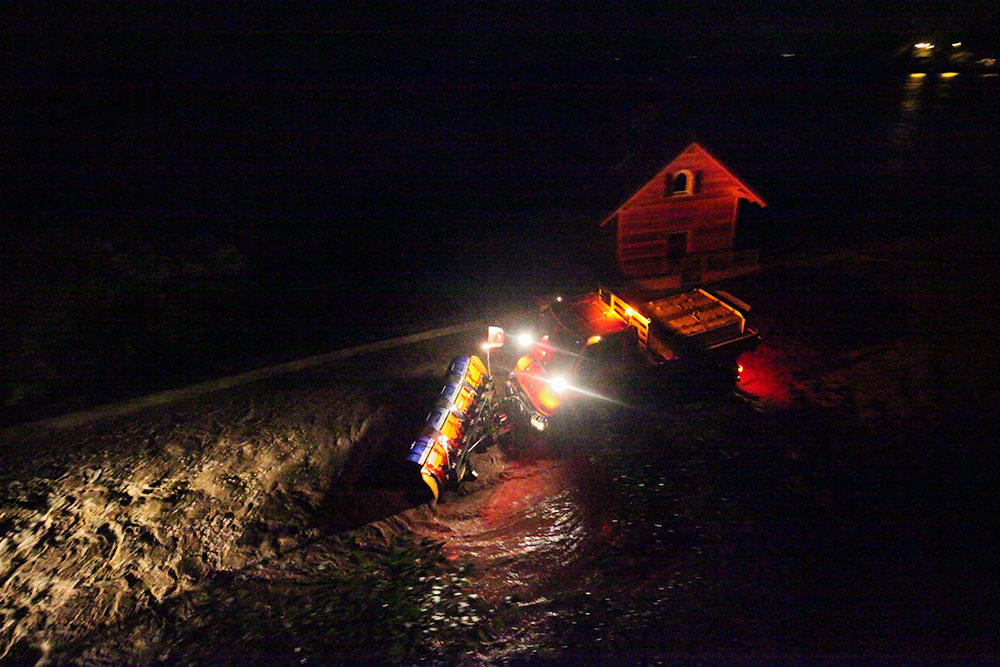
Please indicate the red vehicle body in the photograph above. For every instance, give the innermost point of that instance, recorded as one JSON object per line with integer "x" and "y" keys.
{"x": 599, "y": 334}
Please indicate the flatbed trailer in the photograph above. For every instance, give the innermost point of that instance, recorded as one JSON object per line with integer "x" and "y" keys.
{"x": 693, "y": 324}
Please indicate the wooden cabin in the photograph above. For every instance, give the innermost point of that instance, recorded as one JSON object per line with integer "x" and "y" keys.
{"x": 681, "y": 223}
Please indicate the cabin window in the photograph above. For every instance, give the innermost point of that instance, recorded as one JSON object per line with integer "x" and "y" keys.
{"x": 682, "y": 183}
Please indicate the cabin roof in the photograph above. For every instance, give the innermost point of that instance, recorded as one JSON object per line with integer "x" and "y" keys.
{"x": 743, "y": 191}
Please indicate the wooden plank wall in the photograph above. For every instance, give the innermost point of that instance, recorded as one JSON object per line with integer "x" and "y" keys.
{"x": 643, "y": 232}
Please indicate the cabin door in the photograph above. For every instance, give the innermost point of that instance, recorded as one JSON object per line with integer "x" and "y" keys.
{"x": 677, "y": 245}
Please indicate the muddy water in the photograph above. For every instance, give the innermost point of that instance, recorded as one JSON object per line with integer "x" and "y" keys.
{"x": 531, "y": 530}
{"x": 525, "y": 532}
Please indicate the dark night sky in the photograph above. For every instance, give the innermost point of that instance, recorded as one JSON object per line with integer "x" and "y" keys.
{"x": 510, "y": 30}
{"x": 94, "y": 88}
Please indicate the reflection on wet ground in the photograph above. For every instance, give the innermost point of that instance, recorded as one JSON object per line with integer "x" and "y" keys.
{"x": 530, "y": 527}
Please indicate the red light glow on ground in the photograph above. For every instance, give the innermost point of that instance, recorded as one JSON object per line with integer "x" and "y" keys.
{"x": 530, "y": 482}
{"x": 766, "y": 376}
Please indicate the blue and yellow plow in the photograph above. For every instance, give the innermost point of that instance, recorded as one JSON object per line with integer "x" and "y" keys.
{"x": 465, "y": 415}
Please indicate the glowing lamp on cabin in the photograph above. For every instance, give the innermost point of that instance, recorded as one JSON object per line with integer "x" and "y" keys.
{"x": 525, "y": 339}
{"x": 542, "y": 349}
{"x": 559, "y": 385}
{"x": 494, "y": 338}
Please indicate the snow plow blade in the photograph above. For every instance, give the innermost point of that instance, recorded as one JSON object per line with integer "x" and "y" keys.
{"x": 457, "y": 422}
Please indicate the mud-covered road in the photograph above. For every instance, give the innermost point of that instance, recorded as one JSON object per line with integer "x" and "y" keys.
{"x": 851, "y": 511}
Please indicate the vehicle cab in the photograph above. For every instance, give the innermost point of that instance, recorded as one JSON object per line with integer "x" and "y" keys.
{"x": 576, "y": 329}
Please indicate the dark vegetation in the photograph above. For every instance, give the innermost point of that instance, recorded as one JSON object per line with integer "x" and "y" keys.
{"x": 87, "y": 318}
{"x": 393, "y": 603}
{"x": 92, "y": 316}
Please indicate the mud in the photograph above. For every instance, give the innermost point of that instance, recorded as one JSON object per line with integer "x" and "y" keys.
{"x": 844, "y": 505}
{"x": 105, "y": 521}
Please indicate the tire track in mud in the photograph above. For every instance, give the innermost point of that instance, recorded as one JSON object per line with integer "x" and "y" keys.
{"x": 131, "y": 531}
